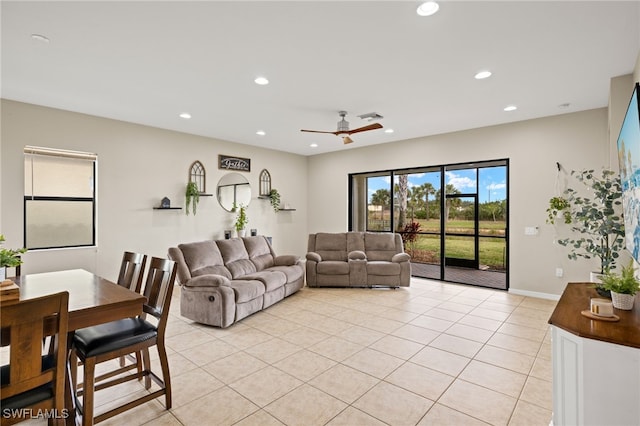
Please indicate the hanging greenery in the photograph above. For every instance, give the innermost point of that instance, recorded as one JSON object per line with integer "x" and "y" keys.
{"x": 274, "y": 199}
{"x": 192, "y": 195}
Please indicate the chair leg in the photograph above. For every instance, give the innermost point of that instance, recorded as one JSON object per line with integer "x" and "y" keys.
{"x": 88, "y": 389}
{"x": 73, "y": 369}
{"x": 166, "y": 377}
{"x": 147, "y": 367}
{"x": 139, "y": 365}
{"x": 122, "y": 361}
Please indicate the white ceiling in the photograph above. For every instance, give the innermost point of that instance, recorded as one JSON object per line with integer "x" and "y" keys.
{"x": 146, "y": 62}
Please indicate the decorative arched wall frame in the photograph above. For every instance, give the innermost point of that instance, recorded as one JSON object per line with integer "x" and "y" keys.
{"x": 198, "y": 174}
{"x": 265, "y": 183}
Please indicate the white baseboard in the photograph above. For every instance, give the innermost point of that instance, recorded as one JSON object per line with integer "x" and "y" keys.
{"x": 537, "y": 294}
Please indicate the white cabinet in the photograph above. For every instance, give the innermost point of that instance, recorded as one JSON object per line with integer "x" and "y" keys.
{"x": 594, "y": 382}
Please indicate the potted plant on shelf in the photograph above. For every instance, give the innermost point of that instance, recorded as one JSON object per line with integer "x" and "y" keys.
{"x": 274, "y": 199}
{"x": 241, "y": 221}
{"x": 192, "y": 195}
{"x": 9, "y": 258}
{"x": 597, "y": 220}
{"x": 623, "y": 287}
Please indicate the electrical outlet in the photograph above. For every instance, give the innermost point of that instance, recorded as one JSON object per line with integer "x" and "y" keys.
{"x": 559, "y": 272}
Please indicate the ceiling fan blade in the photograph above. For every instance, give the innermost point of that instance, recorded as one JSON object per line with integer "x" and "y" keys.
{"x": 365, "y": 128}
{"x": 347, "y": 139}
{"x": 318, "y": 131}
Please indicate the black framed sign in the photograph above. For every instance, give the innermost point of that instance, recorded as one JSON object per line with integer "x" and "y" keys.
{"x": 227, "y": 162}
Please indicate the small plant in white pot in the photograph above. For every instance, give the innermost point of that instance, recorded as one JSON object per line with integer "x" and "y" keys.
{"x": 623, "y": 287}
{"x": 241, "y": 221}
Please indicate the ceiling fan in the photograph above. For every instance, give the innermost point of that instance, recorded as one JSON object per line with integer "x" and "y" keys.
{"x": 343, "y": 129}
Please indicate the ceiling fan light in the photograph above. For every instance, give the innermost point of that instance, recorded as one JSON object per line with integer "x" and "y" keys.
{"x": 428, "y": 8}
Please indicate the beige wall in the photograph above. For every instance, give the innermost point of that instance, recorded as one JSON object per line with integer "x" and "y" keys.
{"x": 577, "y": 141}
{"x": 137, "y": 166}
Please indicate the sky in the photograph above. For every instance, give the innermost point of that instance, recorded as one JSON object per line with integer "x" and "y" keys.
{"x": 491, "y": 182}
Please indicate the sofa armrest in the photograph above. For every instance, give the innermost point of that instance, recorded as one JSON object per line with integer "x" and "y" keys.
{"x": 314, "y": 257}
{"x": 286, "y": 260}
{"x": 208, "y": 280}
{"x": 177, "y": 256}
{"x": 357, "y": 255}
{"x": 401, "y": 257}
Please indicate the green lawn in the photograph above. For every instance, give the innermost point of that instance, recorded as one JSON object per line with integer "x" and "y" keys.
{"x": 492, "y": 250}
{"x": 427, "y": 247}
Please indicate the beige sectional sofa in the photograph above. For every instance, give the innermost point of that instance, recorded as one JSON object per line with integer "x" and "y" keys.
{"x": 226, "y": 280}
{"x": 357, "y": 259}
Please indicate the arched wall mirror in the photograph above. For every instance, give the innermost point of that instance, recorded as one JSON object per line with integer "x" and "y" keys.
{"x": 233, "y": 190}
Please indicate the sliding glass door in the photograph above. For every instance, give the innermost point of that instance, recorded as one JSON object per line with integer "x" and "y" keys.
{"x": 458, "y": 235}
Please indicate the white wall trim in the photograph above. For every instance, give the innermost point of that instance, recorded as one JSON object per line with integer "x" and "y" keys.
{"x": 537, "y": 294}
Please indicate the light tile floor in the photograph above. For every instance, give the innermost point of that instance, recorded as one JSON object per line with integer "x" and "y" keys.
{"x": 431, "y": 354}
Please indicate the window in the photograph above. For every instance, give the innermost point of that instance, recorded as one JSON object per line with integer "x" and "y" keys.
{"x": 59, "y": 198}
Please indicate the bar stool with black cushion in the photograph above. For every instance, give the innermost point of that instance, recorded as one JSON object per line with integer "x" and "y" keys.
{"x": 93, "y": 345}
{"x": 32, "y": 381}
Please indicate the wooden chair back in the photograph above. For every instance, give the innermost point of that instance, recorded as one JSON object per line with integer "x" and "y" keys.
{"x": 132, "y": 271}
{"x": 158, "y": 290}
{"x": 26, "y": 323}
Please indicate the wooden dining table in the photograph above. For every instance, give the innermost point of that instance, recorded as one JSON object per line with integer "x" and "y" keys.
{"x": 93, "y": 300}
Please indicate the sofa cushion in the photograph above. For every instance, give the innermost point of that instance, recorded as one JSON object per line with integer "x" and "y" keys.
{"x": 235, "y": 257}
{"x": 380, "y": 246}
{"x": 204, "y": 258}
{"x": 259, "y": 252}
{"x": 293, "y": 273}
{"x": 271, "y": 279}
{"x": 246, "y": 290}
{"x": 383, "y": 268}
{"x": 332, "y": 267}
{"x": 331, "y": 246}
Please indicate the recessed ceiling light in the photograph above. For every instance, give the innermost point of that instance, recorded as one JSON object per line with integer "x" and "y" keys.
{"x": 185, "y": 115}
{"x": 40, "y": 37}
{"x": 261, "y": 133}
{"x": 314, "y": 145}
{"x": 262, "y": 81}
{"x": 482, "y": 75}
{"x": 428, "y": 8}
{"x": 510, "y": 108}
{"x": 388, "y": 131}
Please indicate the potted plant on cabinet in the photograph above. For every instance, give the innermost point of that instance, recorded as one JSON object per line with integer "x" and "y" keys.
{"x": 597, "y": 220}
{"x": 192, "y": 195}
{"x": 623, "y": 287}
{"x": 241, "y": 221}
{"x": 9, "y": 258}
{"x": 274, "y": 199}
